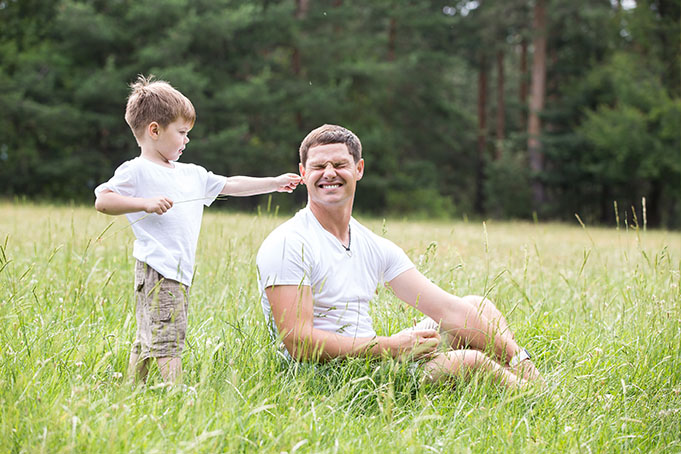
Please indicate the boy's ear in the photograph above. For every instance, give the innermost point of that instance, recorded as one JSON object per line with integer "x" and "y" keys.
{"x": 153, "y": 129}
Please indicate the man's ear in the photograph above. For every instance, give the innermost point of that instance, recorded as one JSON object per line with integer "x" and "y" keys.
{"x": 301, "y": 170}
{"x": 360, "y": 169}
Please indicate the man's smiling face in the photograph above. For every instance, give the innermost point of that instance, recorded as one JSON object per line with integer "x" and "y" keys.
{"x": 331, "y": 174}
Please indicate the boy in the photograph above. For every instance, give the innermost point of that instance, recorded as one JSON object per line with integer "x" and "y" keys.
{"x": 172, "y": 195}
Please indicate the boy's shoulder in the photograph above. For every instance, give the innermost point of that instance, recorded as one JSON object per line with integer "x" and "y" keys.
{"x": 190, "y": 166}
{"x": 141, "y": 164}
{"x": 129, "y": 167}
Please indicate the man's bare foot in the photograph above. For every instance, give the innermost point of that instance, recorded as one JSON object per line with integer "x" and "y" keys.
{"x": 526, "y": 370}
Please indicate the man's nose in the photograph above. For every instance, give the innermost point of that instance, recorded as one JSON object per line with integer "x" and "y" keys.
{"x": 329, "y": 170}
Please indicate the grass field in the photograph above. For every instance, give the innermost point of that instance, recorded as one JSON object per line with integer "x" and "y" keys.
{"x": 599, "y": 307}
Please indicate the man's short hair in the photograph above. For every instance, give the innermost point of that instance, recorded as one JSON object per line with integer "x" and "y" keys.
{"x": 328, "y": 134}
{"x": 156, "y": 100}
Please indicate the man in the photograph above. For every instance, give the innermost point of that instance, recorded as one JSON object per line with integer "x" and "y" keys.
{"x": 319, "y": 270}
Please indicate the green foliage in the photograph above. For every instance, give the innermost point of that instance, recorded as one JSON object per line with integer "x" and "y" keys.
{"x": 507, "y": 188}
{"x": 605, "y": 136}
{"x": 401, "y": 75}
{"x": 628, "y": 149}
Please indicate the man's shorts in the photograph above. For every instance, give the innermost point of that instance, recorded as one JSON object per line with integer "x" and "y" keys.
{"x": 161, "y": 312}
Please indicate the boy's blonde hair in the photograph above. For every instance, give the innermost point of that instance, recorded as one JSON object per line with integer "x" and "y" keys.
{"x": 156, "y": 100}
{"x": 328, "y": 134}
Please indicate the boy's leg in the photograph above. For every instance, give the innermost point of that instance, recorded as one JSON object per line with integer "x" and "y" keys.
{"x": 169, "y": 327}
{"x": 171, "y": 369}
{"x": 138, "y": 364}
{"x": 162, "y": 306}
{"x": 138, "y": 369}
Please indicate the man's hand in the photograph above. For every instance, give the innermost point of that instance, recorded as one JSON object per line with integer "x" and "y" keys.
{"x": 287, "y": 182}
{"x": 416, "y": 343}
{"x": 158, "y": 205}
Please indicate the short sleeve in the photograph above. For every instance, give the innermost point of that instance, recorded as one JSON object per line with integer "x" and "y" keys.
{"x": 123, "y": 182}
{"x": 396, "y": 261}
{"x": 284, "y": 259}
{"x": 214, "y": 186}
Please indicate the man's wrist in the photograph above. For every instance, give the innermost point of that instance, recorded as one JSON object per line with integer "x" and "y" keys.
{"x": 381, "y": 345}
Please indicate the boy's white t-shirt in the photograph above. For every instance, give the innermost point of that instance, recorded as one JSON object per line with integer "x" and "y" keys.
{"x": 302, "y": 252}
{"x": 167, "y": 242}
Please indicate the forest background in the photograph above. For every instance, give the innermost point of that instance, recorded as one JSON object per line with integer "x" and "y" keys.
{"x": 504, "y": 109}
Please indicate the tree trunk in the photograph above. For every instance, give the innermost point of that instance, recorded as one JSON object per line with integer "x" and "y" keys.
{"x": 302, "y": 7}
{"x": 537, "y": 93}
{"x": 501, "y": 105}
{"x": 523, "y": 81}
{"x": 482, "y": 136}
{"x": 392, "y": 35}
{"x": 654, "y": 205}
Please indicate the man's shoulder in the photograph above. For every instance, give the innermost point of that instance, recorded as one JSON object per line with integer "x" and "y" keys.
{"x": 368, "y": 234}
{"x": 295, "y": 228}
{"x": 295, "y": 234}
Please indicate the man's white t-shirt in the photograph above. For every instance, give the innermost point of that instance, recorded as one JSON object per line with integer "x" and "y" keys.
{"x": 302, "y": 252}
{"x": 167, "y": 242}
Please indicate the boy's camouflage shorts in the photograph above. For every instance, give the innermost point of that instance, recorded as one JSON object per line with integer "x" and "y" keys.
{"x": 161, "y": 314}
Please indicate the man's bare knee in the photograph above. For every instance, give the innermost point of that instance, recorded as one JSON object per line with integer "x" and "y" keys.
{"x": 475, "y": 300}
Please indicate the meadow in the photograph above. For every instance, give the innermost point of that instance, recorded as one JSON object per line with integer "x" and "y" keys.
{"x": 599, "y": 307}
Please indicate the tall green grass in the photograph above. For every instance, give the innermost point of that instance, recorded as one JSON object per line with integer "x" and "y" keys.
{"x": 599, "y": 307}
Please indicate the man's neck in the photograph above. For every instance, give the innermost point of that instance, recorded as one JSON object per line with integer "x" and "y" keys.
{"x": 334, "y": 219}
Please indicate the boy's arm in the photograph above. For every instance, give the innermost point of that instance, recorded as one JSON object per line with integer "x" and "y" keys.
{"x": 108, "y": 202}
{"x": 241, "y": 186}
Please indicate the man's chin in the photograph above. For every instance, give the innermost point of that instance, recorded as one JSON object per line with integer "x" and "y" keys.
{"x": 330, "y": 201}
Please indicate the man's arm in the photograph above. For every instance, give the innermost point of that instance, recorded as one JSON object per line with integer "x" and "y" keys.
{"x": 292, "y": 310}
{"x": 454, "y": 314}
{"x": 241, "y": 186}
{"x": 109, "y": 202}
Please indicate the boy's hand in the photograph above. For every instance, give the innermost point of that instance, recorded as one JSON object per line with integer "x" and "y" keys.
{"x": 287, "y": 182}
{"x": 158, "y": 205}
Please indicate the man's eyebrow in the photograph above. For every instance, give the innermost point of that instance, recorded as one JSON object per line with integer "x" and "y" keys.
{"x": 334, "y": 163}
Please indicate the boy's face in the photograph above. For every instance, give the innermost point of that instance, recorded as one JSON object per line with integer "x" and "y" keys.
{"x": 169, "y": 142}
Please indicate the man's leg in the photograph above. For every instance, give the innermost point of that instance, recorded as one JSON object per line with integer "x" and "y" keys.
{"x": 464, "y": 363}
{"x": 482, "y": 306}
{"x": 487, "y": 309}
{"x": 490, "y": 311}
